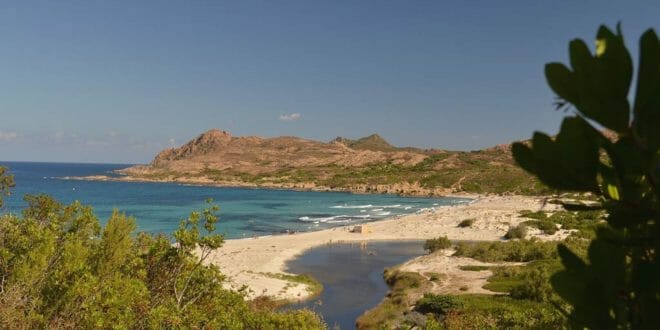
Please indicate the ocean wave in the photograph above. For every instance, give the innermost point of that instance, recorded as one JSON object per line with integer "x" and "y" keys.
{"x": 322, "y": 219}
{"x": 338, "y": 221}
{"x": 395, "y": 206}
{"x": 382, "y": 214}
{"x": 352, "y": 206}
{"x": 335, "y": 219}
{"x": 367, "y": 206}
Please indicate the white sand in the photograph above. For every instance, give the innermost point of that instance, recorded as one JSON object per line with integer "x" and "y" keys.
{"x": 246, "y": 261}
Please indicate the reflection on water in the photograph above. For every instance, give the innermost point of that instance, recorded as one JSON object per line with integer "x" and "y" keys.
{"x": 352, "y": 276}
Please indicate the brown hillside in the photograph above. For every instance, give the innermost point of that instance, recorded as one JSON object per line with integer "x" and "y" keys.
{"x": 219, "y": 150}
{"x": 369, "y": 164}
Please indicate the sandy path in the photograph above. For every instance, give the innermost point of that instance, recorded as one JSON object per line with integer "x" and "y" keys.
{"x": 245, "y": 261}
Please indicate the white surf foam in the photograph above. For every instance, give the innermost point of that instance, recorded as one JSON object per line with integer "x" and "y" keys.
{"x": 352, "y": 206}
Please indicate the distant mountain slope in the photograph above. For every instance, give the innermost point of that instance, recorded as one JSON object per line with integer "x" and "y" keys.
{"x": 373, "y": 142}
{"x": 219, "y": 150}
{"x": 369, "y": 164}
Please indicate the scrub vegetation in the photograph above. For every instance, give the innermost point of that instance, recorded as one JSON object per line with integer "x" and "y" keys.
{"x": 59, "y": 268}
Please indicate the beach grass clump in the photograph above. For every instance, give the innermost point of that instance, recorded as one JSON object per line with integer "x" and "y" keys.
{"x": 513, "y": 251}
{"x": 516, "y": 232}
{"x": 314, "y": 287}
{"x": 547, "y": 227}
{"x": 466, "y": 223}
{"x": 538, "y": 215}
{"x": 505, "y": 278}
{"x": 435, "y": 244}
{"x": 436, "y": 304}
{"x": 473, "y": 268}
{"x": 495, "y": 312}
{"x": 435, "y": 277}
{"x": 580, "y": 220}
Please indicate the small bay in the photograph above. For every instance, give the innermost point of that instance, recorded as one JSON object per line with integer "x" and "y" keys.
{"x": 244, "y": 212}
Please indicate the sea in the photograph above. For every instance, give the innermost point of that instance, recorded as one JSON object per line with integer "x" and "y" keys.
{"x": 244, "y": 212}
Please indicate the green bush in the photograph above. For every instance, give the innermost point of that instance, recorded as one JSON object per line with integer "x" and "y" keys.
{"x": 519, "y": 232}
{"x": 436, "y": 304}
{"x": 466, "y": 223}
{"x": 435, "y": 244}
{"x": 536, "y": 286}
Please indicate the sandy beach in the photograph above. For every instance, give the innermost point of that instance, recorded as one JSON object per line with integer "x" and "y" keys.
{"x": 252, "y": 262}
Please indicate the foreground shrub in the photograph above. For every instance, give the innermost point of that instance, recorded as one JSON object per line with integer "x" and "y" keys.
{"x": 620, "y": 280}
{"x": 435, "y": 244}
{"x": 61, "y": 269}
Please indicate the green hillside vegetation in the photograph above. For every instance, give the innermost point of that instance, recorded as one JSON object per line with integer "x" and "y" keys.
{"x": 484, "y": 171}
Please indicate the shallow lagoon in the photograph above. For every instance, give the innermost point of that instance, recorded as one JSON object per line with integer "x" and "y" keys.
{"x": 352, "y": 276}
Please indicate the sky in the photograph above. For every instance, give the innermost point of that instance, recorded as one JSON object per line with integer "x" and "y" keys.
{"x": 117, "y": 81}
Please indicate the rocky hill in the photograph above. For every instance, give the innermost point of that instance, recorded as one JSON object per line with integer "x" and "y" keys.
{"x": 369, "y": 164}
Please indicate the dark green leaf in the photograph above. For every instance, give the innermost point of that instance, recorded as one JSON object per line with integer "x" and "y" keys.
{"x": 647, "y": 99}
{"x": 560, "y": 79}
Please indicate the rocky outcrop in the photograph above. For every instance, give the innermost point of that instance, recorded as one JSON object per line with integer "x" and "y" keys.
{"x": 208, "y": 142}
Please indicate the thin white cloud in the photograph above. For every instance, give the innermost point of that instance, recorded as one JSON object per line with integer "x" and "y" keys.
{"x": 172, "y": 142}
{"x": 7, "y": 136}
{"x": 290, "y": 116}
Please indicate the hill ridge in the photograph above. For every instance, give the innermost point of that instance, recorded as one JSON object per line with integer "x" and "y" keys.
{"x": 368, "y": 165}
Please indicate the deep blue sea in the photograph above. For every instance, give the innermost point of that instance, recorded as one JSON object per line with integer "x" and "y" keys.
{"x": 158, "y": 207}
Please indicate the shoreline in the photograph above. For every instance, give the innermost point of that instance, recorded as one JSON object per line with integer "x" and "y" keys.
{"x": 248, "y": 261}
{"x": 303, "y": 186}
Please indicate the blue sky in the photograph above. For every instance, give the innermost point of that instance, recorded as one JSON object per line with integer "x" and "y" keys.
{"x": 113, "y": 81}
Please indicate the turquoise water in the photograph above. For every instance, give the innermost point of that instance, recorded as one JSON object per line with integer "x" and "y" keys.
{"x": 158, "y": 207}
